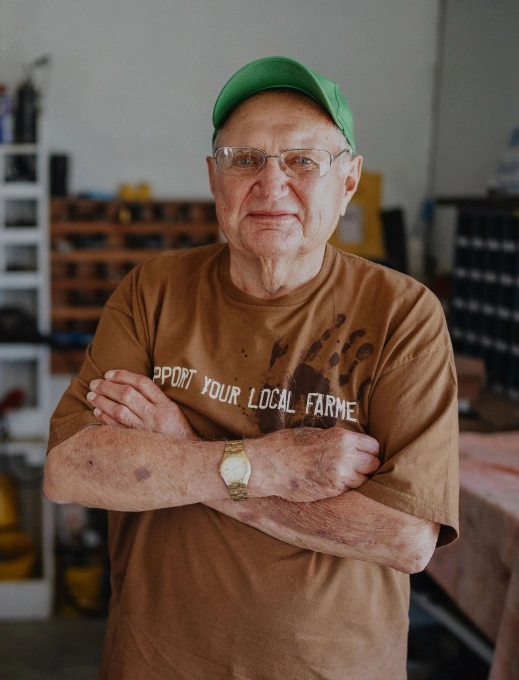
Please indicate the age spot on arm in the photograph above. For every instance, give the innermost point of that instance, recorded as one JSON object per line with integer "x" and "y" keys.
{"x": 142, "y": 474}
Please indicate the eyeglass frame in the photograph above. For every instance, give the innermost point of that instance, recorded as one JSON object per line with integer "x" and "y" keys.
{"x": 265, "y": 156}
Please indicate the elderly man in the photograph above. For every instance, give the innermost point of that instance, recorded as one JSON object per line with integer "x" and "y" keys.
{"x": 314, "y": 386}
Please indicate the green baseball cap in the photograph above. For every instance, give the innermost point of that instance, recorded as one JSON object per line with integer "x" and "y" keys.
{"x": 271, "y": 72}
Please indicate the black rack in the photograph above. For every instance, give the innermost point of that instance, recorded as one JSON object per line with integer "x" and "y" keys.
{"x": 484, "y": 312}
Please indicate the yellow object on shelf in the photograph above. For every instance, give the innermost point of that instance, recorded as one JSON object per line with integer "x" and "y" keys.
{"x": 8, "y": 510}
{"x": 135, "y": 192}
{"x": 360, "y": 230}
{"x": 85, "y": 588}
{"x": 17, "y": 555}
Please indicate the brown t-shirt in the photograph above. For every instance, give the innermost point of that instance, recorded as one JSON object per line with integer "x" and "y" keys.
{"x": 200, "y": 596}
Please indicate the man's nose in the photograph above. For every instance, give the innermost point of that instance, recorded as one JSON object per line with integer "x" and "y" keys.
{"x": 271, "y": 181}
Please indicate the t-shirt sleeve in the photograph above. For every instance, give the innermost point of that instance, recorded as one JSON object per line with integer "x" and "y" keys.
{"x": 121, "y": 342}
{"x": 413, "y": 415}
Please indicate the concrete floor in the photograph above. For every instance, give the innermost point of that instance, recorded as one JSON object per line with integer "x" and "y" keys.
{"x": 70, "y": 649}
{"x": 57, "y": 649}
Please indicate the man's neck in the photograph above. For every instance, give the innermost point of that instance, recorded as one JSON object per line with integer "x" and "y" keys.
{"x": 273, "y": 277}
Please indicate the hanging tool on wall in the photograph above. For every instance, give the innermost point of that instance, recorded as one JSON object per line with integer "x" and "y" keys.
{"x": 28, "y": 104}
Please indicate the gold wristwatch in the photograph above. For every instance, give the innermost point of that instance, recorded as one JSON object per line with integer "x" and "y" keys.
{"x": 235, "y": 469}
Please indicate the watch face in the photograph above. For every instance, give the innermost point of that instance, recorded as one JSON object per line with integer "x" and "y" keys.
{"x": 234, "y": 469}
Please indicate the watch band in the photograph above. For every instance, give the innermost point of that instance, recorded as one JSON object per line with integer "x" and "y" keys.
{"x": 237, "y": 490}
{"x": 234, "y": 446}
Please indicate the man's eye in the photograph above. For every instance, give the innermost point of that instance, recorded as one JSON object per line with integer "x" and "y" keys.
{"x": 244, "y": 161}
{"x": 301, "y": 161}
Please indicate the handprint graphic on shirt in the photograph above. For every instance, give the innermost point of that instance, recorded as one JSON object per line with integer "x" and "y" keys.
{"x": 330, "y": 373}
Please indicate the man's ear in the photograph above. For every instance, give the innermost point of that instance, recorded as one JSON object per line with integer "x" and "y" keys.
{"x": 211, "y": 171}
{"x": 351, "y": 182}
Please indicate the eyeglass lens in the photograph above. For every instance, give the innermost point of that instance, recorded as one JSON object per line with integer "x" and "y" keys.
{"x": 241, "y": 161}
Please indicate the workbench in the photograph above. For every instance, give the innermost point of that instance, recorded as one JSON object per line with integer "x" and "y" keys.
{"x": 480, "y": 571}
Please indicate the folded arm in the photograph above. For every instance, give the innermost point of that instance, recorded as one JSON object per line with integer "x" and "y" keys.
{"x": 343, "y": 523}
{"x": 154, "y": 460}
{"x": 350, "y": 525}
{"x": 130, "y": 470}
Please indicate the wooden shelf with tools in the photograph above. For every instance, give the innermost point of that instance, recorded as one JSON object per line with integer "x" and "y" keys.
{"x": 95, "y": 243}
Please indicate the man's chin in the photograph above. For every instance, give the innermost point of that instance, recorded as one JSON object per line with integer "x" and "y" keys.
{"x": 272, "y": 243}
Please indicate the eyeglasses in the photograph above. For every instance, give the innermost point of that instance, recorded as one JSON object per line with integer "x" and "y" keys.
{"x": 243, "y": 161}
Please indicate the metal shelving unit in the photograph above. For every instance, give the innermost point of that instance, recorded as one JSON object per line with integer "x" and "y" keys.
{"x": 24, "y": 284}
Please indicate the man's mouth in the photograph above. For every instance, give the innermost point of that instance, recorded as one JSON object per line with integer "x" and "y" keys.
{"x": 271, "y": 214}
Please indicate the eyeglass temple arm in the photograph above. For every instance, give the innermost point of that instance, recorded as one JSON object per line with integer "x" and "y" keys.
{"x": 341, "y": 152}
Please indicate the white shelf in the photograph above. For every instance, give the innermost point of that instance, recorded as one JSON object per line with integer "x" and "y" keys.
{"x": 27, "y": 599}
{"x": 33, "y": 450}
{"x": 28, "y": 421}
{"x": 20, "y": 235}
{"x": 18, "y": 149}
{"x": 14, "y": 190}
{"x": 23, "y": 351}
{"x": 20, "y": 280}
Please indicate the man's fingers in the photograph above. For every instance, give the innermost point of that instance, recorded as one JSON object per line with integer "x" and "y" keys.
{"x": 367, "y": 463}
{"x": 105, "y": 419}
{"x": 362, "y": 462}
{"x": 367, "y": 444}
{"x": 121, "y": 393}
{"x": 357, "y": 480}
{"x": 141, "y": 383}
{"x": 115, "y": 410}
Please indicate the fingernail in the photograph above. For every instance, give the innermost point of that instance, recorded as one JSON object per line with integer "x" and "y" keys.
{"x": 94, "y": 384}
{"x": 109, "y": 374}
{"x": 97, "y": 411}
{"x": 91, "y": 396}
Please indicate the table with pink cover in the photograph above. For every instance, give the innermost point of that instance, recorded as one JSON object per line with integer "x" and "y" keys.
{"x": 480, "y": 571}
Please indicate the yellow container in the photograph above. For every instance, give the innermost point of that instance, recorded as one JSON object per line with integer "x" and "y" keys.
{"x": 360, "y": 230}
{"x": 84, "y": 585}
{"x": 17, "y": 555}
{"x": 8, "y": 509}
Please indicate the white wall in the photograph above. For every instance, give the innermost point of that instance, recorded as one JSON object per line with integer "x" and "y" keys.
{"x": 479, "y": 100}
{"x": 133, "y": 82}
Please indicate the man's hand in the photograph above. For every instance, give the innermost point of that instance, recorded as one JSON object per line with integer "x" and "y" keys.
{"x": 126, "y": 399}
{"x": 310, "y": 464}
{"x": 301, "y": 465}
